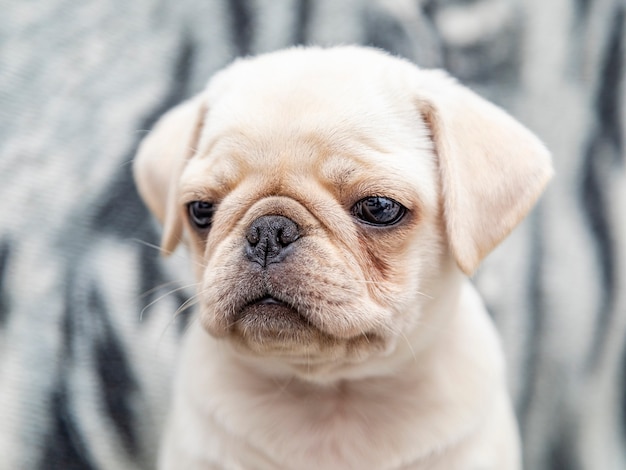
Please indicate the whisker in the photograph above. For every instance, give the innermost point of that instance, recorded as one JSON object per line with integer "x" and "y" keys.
{"x": 159, "y": 287}
{"x": 126, "y": 163}
{"x": 168, "y": 252}
{"x": 364, "y": 334}
{"x": 410, "y": 346}
{"x": 169, "y": 325}
{"x": 149, "y": 245}
{"x": 162, "y": 297}
{"x": 190, "y": 302}
{"x": 231, "y": 325}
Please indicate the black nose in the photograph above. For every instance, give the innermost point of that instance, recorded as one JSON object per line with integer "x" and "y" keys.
{"x": 269, "y": 238}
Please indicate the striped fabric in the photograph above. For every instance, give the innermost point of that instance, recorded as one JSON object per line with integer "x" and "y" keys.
{"x": 88, "y": 329}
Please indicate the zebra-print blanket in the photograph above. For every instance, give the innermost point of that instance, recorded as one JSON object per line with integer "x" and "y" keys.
{"x": 88, "y": 331}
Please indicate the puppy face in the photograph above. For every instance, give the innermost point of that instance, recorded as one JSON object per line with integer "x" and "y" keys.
{"x": 322, "y": 192}
{"x": 318, "y": 233}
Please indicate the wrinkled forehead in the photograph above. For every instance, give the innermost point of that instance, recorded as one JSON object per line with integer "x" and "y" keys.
{"x": 331, "y": 125}
{"x": 284, "y": 162}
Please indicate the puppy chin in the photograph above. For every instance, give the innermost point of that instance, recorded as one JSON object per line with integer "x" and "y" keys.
{"x": 269, "y": 328}
{"x": 272, "y": 327}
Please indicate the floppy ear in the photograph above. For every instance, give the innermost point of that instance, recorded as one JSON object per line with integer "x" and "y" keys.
{"x": 160, "y": 161}
{"x": 492, "y": 168}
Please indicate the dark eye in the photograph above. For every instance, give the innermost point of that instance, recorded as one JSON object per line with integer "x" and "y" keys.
{"x": 201, "y": 214}
{"x": 377, "y": 210}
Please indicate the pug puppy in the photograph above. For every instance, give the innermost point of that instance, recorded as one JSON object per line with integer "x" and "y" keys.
{"x": 335, "y": 201}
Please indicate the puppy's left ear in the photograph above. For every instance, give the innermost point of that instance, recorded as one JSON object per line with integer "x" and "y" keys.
{"x": 160, "y": 161}
{"x": 492, "y": 168}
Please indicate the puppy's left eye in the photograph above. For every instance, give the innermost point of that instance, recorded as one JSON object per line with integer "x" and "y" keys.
{"x": 376, "y": 210}
{"x": 201, "y": 214}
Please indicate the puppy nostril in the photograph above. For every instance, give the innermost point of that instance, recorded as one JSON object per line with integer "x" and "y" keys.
{"x": 287, "y": 235}
{"x": 253, "y": 236}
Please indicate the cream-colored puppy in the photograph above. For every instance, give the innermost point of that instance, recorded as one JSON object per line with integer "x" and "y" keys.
{"x": 334, "y": 202}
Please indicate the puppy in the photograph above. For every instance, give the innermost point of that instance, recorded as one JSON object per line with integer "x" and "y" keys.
{"x": 334, "y": 201}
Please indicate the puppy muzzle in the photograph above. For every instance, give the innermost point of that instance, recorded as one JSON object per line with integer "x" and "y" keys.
{"x": 279, "y": 286}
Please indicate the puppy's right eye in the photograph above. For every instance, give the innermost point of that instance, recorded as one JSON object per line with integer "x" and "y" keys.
{"x": 201, "y": 214}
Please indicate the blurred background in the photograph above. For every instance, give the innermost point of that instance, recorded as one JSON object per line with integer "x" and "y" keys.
{"x": 88, "y": 333}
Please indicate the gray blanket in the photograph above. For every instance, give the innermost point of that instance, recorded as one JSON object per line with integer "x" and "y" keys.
{"x": 88, "y": 330}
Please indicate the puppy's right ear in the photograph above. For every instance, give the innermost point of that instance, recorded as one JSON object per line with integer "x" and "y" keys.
{"x": 160, "y": 161}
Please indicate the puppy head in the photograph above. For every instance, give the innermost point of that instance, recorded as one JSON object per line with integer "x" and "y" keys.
{"x": 322, "y": 193}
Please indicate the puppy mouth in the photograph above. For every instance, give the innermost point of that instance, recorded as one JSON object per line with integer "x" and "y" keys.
{"x": 267, "y": 300}
{"x": 269, "y": 317}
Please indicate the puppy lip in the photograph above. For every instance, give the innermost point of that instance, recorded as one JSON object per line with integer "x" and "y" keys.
{"x": 267, "y": 299}
{"x": 271, "y": 319}
{"x": 267, "y": 302}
